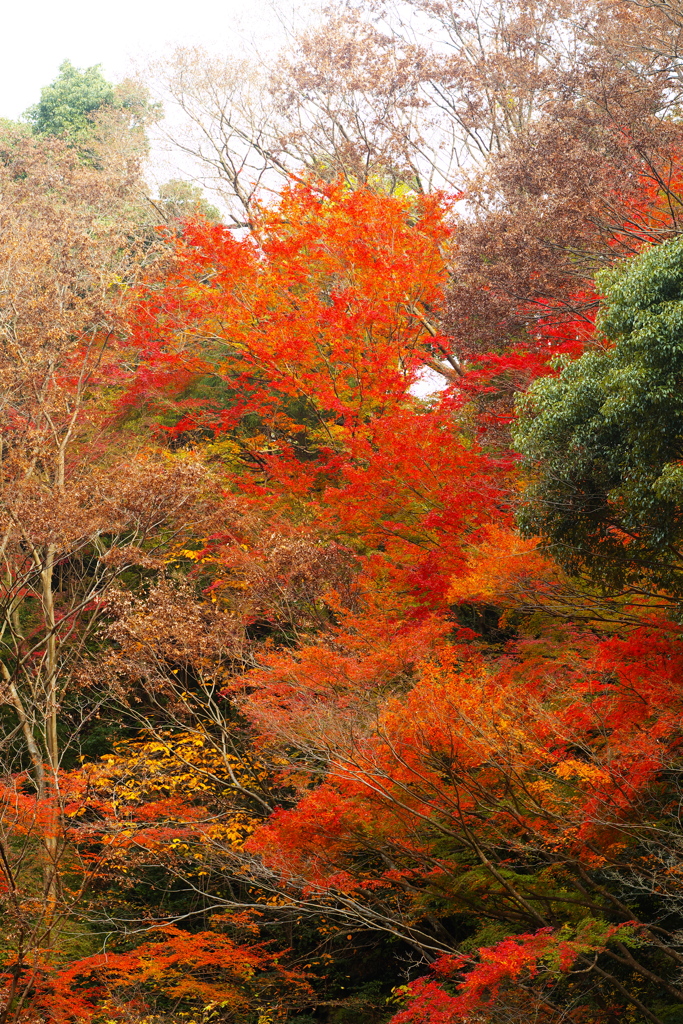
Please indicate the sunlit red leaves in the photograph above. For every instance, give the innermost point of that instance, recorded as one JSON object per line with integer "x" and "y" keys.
{"x": 549, "y": 757}
{"x": 500, "y": 973}
{"x": 504, "y": 570}
{"x": 193, "y": 968}
{"x": 313, "y": 306}
{"x": 311, "y": 333}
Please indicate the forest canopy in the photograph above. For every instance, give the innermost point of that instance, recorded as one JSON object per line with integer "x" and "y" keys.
{"x": 341, "y": 489}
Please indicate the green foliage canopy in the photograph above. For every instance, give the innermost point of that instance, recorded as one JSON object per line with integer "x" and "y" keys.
{"x": 604, "y": 439}
{"x": 66, "y": 106}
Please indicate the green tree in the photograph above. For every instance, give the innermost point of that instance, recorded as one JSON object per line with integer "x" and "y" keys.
{"x": 181, "y": 200}
{"x": 604, "y": 440}
{"x": 67, "y": 105}
{"x": 107, "y": 124}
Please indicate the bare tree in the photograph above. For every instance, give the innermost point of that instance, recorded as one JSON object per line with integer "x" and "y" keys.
{"x": 409, "y": 94}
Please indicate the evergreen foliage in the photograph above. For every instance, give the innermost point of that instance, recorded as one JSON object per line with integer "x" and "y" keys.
{"x": 66, "y": 106}
{"x": 604, "y": 439}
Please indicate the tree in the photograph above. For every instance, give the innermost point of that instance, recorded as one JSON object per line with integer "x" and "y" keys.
{"x": 106, "y": 124}
{"x": 422, "y": 96}
{"x": 507, "y": 815}
{"x": 66, "y": 106}
{"x": 231, "y": 128}
{"x": 409, "y": 95}
{"x": 81, "y": 506}
{"x": 181, "y": 200}
{"x": 603, "y": 439}
{"x": 301, "y": 344}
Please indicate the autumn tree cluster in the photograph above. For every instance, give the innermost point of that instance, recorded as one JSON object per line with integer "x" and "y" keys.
{"x": 342, "y": 526}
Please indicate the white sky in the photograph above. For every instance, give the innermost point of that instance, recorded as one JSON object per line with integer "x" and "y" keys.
{"x": 37, "y": 35}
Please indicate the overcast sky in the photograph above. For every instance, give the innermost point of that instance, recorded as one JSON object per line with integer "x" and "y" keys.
{"x": 38, "y": 35}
